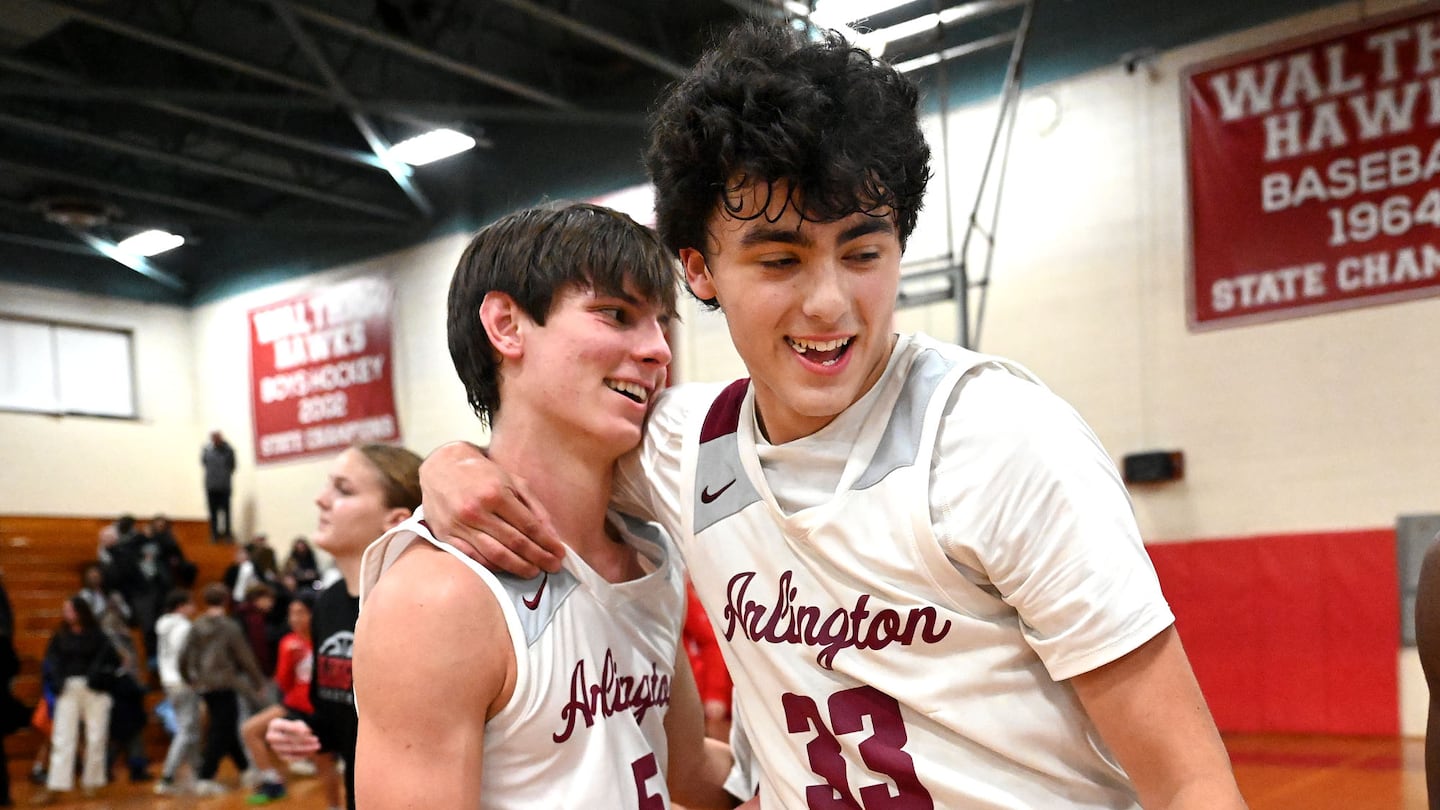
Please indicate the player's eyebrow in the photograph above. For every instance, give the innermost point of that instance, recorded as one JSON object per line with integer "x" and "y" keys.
{"x": 773, "y": 234}
{"x": 766, "y": 234}
{"x": 869, "y": 226}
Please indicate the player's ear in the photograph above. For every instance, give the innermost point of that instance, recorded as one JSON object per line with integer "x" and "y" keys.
{"x": 395, "y": 516}
{"x": 504, "y": 323}
{"x": 697, "y": 274}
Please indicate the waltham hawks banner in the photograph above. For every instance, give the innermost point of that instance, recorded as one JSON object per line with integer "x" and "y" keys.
{"x": 320, "y": 371}
{"x": 1313, "y": 173}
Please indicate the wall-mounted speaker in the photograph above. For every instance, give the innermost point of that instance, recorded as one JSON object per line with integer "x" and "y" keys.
{"x": 1153, "y": 467}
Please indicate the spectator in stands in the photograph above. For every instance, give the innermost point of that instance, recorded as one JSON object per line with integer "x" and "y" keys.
{"x": 140, "y": 566}
{"x": 77, "y": 660}
{"x": 239, "y": 573}
{"x": 127, "y": 715}
{"x": 94, "y": 590}
{"x": 181, "y": 570}
{"x": 257, "y": 565}
{"x": 13, "y": 714}
{"x": 108, "y": 537}
{"x": 302, "y": 564}
{"x": 267, "y": 567}
{"x": 42, "y": 721}
{"x": 172, "y": 630}
{"x": 292, "y": 676}
{"x": 371, "y": 488}
{"x": 125, "y": 530}
{"x": 7, "y": 613}
{"x": 218, "y": 664}
{"x": 218, "y": 461}
{"x": 253, "y": 614}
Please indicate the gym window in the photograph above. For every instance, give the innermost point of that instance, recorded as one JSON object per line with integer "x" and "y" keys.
{"x": 63, "y": 368}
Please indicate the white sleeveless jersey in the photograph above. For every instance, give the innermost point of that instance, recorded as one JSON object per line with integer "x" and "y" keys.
{"x": 594, "y": 664}
{"x": 873, "y": 670}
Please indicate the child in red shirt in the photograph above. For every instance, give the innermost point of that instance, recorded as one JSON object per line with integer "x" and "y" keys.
{"x": 293, "y": 671}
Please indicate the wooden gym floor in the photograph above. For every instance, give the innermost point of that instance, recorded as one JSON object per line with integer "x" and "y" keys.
{"x": 1274, "y": 772}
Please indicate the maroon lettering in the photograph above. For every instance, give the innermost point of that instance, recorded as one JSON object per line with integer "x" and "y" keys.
{"x": 612, "y": 694}
{"x": 787, "y": 621}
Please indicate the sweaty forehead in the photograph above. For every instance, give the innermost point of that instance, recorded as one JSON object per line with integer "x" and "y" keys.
{"x": 760, "y": 211}
{"x": 732, "y": 232}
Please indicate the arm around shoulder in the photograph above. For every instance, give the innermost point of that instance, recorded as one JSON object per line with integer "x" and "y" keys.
{"x": 423, "y": 699}
{"x": 1149, "y": 710}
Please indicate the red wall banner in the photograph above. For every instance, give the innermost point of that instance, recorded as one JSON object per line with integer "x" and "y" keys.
{"x": 1313, "y": 170}
{"x": 320, "y": 371}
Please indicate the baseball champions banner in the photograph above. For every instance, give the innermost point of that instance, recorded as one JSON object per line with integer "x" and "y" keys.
{"x": 320, "y": 371}
{"x": 1314, "y": 173}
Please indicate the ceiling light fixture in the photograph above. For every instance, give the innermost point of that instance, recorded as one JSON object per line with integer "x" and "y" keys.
{"x": 150, "y": 243}
{"x": 434, "y": 145}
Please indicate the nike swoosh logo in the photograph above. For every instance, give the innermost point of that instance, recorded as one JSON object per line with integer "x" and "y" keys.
{"x": 534, "y": 603}
{"x": 706, "y": 496}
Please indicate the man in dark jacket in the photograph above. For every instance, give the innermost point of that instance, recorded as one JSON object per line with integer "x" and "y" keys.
{"x": 218, "y": 460}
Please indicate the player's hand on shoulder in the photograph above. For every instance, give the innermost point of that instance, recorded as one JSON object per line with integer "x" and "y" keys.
{"x": 486, "y": 513}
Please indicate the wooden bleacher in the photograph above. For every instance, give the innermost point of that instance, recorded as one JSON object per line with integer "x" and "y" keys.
{"x": 41, "y": 559}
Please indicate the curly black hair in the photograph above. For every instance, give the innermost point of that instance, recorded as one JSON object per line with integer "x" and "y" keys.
{"x": 765, "y": 106}
{"x": 531, "y": 255}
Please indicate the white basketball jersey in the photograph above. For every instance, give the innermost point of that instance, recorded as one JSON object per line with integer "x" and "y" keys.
{"x": 594, "y": 664}
{"x": 872, "y": 673}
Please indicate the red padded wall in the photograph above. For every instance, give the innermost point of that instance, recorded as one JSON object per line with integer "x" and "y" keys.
{"x": 1291, "y": 633}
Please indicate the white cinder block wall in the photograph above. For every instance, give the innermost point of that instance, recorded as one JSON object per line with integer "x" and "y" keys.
{"x": 1321, "y": 423}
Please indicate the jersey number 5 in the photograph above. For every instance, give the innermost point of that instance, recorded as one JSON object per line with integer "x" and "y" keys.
{"x": 643, "y": 769}
{"x": 883, "y": 751}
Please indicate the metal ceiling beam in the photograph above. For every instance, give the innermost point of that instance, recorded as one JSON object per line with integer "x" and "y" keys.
{"x": 1004, "y": 130}
{"x": 428, "y": 57}
{"x": 764, "y": 9}
{"x": 199, "y": 167}
{"x": 492, "y": 113}
{"x": 347, "y": 226}
{"x": 48, "y": 244}
{"x": 599, "y": 37}
{"x": 972, "y": 10}
{"x": 69, "y": 80}
{"x": 914, "y": 61}
{"x": 338, "y": 91}
{"x": 272, "y": 101}
{"x": 83, "y": 181}
{"x": 177, "y": 46}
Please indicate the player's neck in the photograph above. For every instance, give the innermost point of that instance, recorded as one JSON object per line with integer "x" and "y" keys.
{"x": 572, "y": 483}
{"x": 349, "y": 568}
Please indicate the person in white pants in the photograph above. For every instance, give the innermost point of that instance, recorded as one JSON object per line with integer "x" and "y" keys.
{"x": 78, "y": 652}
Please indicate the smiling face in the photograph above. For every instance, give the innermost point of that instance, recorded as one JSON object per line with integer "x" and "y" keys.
{"x": 352, "y": 507}
{"x": 588, "y": 374}
{"x": 810, "y": 305}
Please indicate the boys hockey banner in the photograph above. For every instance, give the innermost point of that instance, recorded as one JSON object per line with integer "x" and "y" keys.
{"x": 1313, "y": 173}
{"x": 320, "y": 371}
